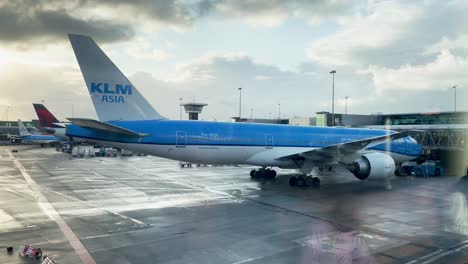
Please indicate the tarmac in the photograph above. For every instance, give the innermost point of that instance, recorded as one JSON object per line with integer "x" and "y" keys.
{"x": 144, "y": 209}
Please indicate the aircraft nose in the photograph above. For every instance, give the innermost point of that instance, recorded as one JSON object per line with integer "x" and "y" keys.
{"x": 414, "y": 148}
{"x": 417, "y": 149}
{"x": 420, "y": 150}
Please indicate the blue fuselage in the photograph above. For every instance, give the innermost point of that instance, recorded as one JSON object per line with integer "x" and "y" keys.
{"x": 203, "y": 133}
{"x": 39, "y": 139}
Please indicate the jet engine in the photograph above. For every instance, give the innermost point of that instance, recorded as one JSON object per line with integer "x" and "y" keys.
{"x": 373, "y": 165}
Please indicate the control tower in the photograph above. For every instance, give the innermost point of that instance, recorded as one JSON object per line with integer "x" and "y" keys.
{"x": 193, "y": 109}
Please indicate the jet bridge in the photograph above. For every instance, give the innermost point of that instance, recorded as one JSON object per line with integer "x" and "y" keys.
{"x": 441, "y": 142}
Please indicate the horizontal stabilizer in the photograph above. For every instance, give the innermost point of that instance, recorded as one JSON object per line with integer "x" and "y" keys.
{"x": 104, "y": 127}
{"x": 47, "y": 130}
{"x": 62, "y": 125}
{"x": 10, "y": 136}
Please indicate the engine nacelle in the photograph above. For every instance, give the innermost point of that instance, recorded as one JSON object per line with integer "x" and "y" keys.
{"x": 373, "y": 165}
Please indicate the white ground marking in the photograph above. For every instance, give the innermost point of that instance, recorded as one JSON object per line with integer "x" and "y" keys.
{"x": 439, "y": 254}
{"x": 49, "y": 210}
{"x": 7, "y": 221}
{"x": 97, "y": 207}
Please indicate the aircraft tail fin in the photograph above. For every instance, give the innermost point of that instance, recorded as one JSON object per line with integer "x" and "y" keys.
{"x": 22, "y": 129}
{"x": 46, "y": 118}
{"x": 113, "y": 95}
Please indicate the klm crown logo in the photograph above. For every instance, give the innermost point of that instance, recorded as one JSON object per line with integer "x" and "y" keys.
{"x": 111, "y": 94}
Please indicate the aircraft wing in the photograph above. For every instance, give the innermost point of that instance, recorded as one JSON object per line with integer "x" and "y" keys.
{"x": 342, "y": 149}
{"x": 104, "y": 127}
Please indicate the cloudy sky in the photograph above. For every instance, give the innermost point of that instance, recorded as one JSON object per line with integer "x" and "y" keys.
{"x": 390, "y": 56}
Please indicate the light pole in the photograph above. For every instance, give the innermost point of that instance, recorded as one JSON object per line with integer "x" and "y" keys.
{"x": 346, "y": 104}
{"x": 240, "y": 102}
{"x": 455, "y": 97}
{"x": 180, "y": 108}
{"x": 251, "y": 113}
{"x": 333, "y": 97}
{"x": 279, "y": 111}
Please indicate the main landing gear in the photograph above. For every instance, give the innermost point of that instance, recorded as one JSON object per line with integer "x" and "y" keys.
{"x": 263, "y": 174}
{"x": 303, "y": 181}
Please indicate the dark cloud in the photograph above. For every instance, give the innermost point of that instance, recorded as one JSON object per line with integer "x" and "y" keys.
{"x": 22, "y": 21}
{"x": 164, "y": 11}
{"x": 185, "y": 12}
{"x": 51, "y": 20}
{"x": 46, "y": 20}
{"x": 312, "y": 8}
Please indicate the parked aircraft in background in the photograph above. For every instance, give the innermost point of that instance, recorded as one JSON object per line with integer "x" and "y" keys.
{"x": 128, "y": 121}
{"x": 49, "y": 123}
{"x": 42, "y": 140}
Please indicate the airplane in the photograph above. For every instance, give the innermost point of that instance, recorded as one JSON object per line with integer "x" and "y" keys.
{"x": 128, "y": 121}
{"x": 42, "y": 140}
{"x": 49, "y": 123}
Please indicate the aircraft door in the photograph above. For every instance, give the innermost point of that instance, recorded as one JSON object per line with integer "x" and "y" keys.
{"x": 181, "y": 139}
{"x": 269, "y": 141}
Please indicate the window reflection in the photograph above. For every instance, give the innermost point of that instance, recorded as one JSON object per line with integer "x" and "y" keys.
{"x": 458, "y": 210}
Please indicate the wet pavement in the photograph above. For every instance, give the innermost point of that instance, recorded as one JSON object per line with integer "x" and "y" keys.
{"x": 148, "y": 210}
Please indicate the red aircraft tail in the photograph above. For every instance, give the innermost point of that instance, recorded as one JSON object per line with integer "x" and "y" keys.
{"x": 46, "y": 118}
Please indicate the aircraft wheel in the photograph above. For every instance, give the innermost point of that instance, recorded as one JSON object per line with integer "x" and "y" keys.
{"x": 270, "y": 174}
{"x": 292, "y": 181}
{"x": 309, "y": 181}
{"x": 315, "y": 182}
{"x": 273, "y": 174}
{"x": 252, "y": 173}
{"x": 256, "y": 175}
{"x": 259, "y": 174}
{"x": 300, "y": 182}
